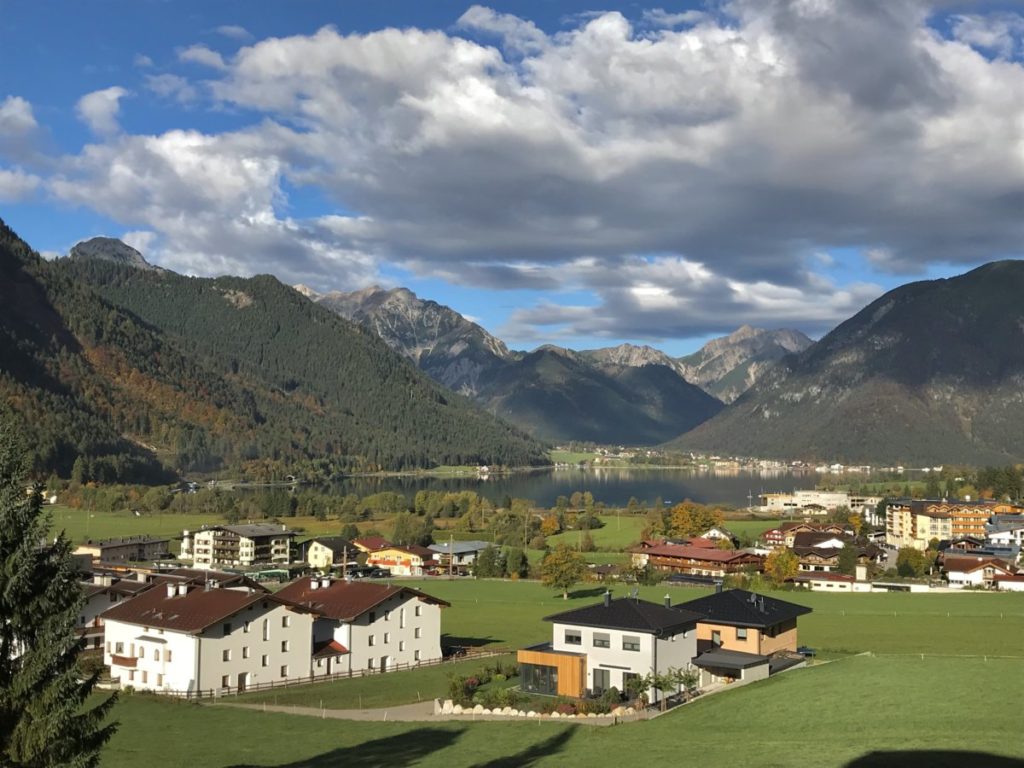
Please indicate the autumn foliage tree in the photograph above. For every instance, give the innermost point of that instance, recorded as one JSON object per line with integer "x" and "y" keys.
{"x": 691, "y": 519}
{"x": 780, "y": 565}
{"x": 562, "y": 569}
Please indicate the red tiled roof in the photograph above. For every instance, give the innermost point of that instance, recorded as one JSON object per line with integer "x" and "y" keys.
{"x": 371, "y": 543}
{"x": 704, "y": 543}
{"x": 971, "y": 564}
{"x": 329, "y": 648}
{"x": 345, "y": 600}
{"x": 192, "y": 612}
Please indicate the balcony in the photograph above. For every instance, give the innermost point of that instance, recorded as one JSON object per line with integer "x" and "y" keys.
{"x": 123, "y": 661}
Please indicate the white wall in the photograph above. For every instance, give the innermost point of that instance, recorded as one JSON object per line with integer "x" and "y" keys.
{"x": 390, "y": 638}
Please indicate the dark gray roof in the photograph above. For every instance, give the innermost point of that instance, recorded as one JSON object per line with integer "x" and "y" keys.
{"x": 738, "y": 607}
{"x": 627, "y": 613}
{"x": 255, "y": 530}
{"x": 460, "y": 547}
{"x": 723, "y": 659}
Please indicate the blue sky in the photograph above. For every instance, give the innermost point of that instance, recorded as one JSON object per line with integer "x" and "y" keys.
{"x": 654, "y": 173}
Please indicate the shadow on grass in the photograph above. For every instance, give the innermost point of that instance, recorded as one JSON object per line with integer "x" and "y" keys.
{"x": 530, "y": 755}
{"x": 390, "y": 752}
{"x": 934, "y": 758}
{"x": 581, "y": 593}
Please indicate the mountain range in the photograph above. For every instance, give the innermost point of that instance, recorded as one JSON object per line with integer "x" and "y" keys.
{"x": 116, "y": 371}
{"x": 629, "y": 394}
{"x": 930, "y": 373}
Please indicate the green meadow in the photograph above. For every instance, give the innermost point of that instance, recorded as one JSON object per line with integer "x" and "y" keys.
{"x": 860, "y": 712}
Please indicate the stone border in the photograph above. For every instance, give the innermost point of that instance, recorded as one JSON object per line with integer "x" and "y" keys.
{"x": 448, "y": 708}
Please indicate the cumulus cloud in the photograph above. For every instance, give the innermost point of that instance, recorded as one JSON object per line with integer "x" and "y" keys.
{"x": 99, "y": 109}
{"x": 18, "y": 128}
{"x": 233, "y": 32}
{"x": 172, "y": 87}
{"x": 999, "y": 33}
{"x": 16, "y": 185}
{"x": 142, "y": 61}
{"x": 200, "y": 54}
{"x": 676, "y": 168}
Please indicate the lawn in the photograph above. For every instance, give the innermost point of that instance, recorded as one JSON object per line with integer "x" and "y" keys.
{"x": 619, "y": 532}
{"x": 510, "y": 613}
{"x": 862, "y": 712}
{"x": 81, "y": 524}
{"x": 376, "y": 691}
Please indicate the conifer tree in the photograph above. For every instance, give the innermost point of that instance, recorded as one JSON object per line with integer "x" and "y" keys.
{"x": 44, "y": 721}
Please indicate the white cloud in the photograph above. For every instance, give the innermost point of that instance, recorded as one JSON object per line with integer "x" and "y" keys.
{"x": 695, "y": 166}
{"x": 141, "y": 240}
{"x": 659, "y": 17}
{"x": 172, "y": 87}
{"x": 99, "y": 109}
{"x": 16, "y": 185}
{"x": 142, "y": 61}
{"x": 233, "y": 32}
{"x": 16, "y": 117}
{"x": 998, "y": 33}
{"x": 200, "y": 54}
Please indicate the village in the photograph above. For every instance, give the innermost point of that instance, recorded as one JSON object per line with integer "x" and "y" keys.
{"x": 245, "y": 608}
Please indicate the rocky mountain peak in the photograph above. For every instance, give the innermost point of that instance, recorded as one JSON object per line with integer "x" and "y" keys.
{"x": 110, "y": 249}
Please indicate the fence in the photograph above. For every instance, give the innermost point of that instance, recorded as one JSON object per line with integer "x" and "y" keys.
{"x": 217, "y": 693}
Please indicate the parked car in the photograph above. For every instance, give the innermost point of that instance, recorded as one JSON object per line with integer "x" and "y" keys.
{"x": 380, "y": 573}
{"x": 807, "y": 652}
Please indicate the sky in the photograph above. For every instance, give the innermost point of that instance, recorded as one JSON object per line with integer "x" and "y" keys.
{"x": 574, "y": 173}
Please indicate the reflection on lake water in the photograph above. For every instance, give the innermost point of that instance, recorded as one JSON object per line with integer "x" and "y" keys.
{"x": 613, "y": 486}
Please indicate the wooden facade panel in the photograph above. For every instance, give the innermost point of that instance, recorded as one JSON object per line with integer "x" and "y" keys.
{"x": 572, "y": 670}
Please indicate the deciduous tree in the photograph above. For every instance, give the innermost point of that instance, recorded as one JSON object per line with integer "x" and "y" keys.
{"x": 563, "y": 568}
{"x": 780, "y": 565}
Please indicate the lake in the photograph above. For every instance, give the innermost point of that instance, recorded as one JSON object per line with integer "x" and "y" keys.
{"x": 613, "y": 486}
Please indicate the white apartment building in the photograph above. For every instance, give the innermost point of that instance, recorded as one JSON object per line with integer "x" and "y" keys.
{"x": 238, "y": 545}
{"x": 362, "y": 625}
{"x": 604, "y": 645}
{"x": 817, "y": 502}
{"x": 184, "y": 638}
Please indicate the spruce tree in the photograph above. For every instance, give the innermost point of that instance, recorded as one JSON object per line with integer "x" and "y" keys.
{"x": 44, "y": 720}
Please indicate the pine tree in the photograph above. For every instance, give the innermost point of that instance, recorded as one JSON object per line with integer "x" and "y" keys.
{"x": 43, "y": 721}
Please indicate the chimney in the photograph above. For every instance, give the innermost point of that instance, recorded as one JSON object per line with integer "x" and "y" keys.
{"x": 183, "y": 589}
{"x": 171, "y": 589}
{"x": 718, "y": 587}
{"x": 314, "y": 583}
{"x": 668, "y": 601}
{"x": 325, "y": 582}
{"x": 607, "y": 598}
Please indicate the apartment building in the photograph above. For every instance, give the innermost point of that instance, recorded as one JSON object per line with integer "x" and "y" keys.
{"x": 363, "y": 625}
{"x": 914, "y": 523}
{"x": 238, "y": 545}
{"x": 184, "y": 638}
{"x": 127, "y": 549}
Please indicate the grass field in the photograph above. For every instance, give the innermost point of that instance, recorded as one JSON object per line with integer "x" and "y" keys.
{"x": 860, "y": 712}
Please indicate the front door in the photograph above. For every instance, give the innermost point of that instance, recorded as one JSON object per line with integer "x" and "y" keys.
{"x": 383, "y": 663}
{"x": 243, "y": 679}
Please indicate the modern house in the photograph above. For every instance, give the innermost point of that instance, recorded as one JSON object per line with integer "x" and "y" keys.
{"x": 238, "y": 545}
{"x": 325, "y": 552}
{"x": 457, "y": 554}
{"x": 696, "y": 561}
{"x": 366, "y": 626}
{"x": 128, "y": 549}
{"x": 605, "y": 645}
{"x": 741, "y": 634}
{"x": 402, "y": 561}
{"x": 185, "y": 638}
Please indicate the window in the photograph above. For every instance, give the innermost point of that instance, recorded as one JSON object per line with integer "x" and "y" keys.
{"x": 369, "y": 664}
{"x": 387, "y": 638}
{"x": 741, "y": 632}
{"x": 226, "y": 656}
{"x": 284, "y": 670}
{"x": 416, "y": 632}
{"x": 264, "y": 660}
{"x": 245, "y": 651}
{"x": 716, "y": 637}
{"x": 156, "y": 655}
{"x": 246, "y": 626}
{"x": 627, "y": 678}
{"x": 119, "y": 648}
{"x": 320, "y": 663}
{"x": 266, "y": 629}
{"x": 145, "y": 676}
{"x": 286, "y": 621}
{"x": 225, "y": 682}
{"x": 369, "y": 640}
{"x": 373, "y": 616}
{"x": 142, "y": 651}
{"x": 167, "y": 656}
{"x": 602, "y": 640}
{"x": 401, "y": 618}
{"x": 602, "y": 681}
{"x": 387, "y": 615}
{"x": 159, "y": 679}
{"x": 401, "y": 645}
{"x": 108, "y": 645}
{"x": 419, "y": 610}
{"x": 284, "y": 646}
{"x": 630, "y": 643}
{"x": 573, "y": 637}
{"x": 416, "y": 655}
{"x": 131, "y": 675}
{"x": 537, "y": 678}
{"x": 227, "y": 628}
